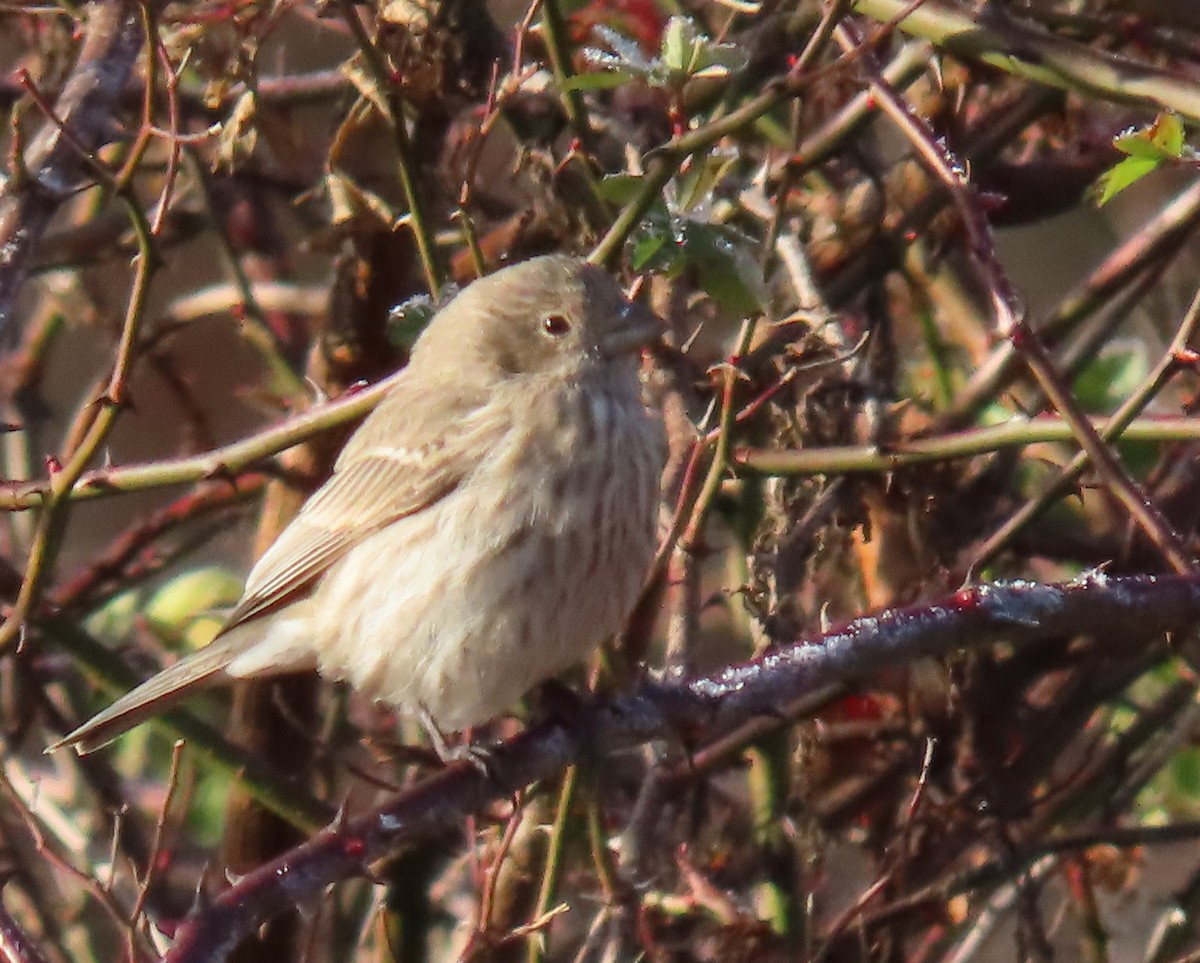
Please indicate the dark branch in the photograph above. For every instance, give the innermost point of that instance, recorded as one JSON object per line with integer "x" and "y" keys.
{"x": 15, "y": 945}
{"x": 1131, "y": 609}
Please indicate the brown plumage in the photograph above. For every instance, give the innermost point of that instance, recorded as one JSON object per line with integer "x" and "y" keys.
{"x": 485, "y": 528}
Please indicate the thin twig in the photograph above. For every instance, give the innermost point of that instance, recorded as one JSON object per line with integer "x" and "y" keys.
{"x": 906, "y": 452}
{"x": 416, "y": 219}
{"x": 53, "y": 167}
{"x": 221, "y": 463}
{"x": 1009, "y": 313}
{"x": 660, "y": 165}
{"x": 1002, "y": 42}
{"x": 52, "y": 523}
{"x": 1167, "y": 366}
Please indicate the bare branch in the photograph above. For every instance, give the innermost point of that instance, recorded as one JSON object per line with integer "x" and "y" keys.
{"x": 53, "y": 167}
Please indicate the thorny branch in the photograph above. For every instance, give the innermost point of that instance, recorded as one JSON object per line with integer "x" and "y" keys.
{"x": 1009, "y": 313}
{"x": 1134, "y": 610}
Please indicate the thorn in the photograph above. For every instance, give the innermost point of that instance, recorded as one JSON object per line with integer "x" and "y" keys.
{"x": 341, "y": 817}
{"x": 201, "y": 901}
{"x": 1187, "y": 358}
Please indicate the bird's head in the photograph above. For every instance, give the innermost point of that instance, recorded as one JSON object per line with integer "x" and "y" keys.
{"x": 549, "y": 315}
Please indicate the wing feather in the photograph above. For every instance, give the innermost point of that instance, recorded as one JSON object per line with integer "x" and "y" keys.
{"x": 382, "y": 476}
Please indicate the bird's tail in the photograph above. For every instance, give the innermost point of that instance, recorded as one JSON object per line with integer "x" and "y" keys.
{"x": 233, "y": 654}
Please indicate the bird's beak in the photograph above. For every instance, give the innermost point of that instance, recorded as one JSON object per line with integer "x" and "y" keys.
{"x": 641, "y": 328}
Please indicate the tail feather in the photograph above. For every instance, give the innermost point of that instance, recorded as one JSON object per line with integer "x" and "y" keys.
{"x": 198, "y": 670}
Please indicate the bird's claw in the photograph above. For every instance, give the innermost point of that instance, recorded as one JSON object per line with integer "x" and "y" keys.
{"x": 478, "y": 755}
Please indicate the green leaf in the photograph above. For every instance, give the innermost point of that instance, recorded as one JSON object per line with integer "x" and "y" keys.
{"x": 1138, "y": 144}
{"x": 1162, "y": 140}
{"x": 646, "y": 248}
{"x": 698, "y": 184}
{"x": 185, "y": 607}
{"x": 681, "y": 44}
{"x": 1111, "y": 378}
{"x": 408, "y": 319}
{"x": 626, "y": 54}
{"x": 115, "y": 619}
{"x": 597, "y": 80}
{"x": 1146, "y": 148}
{"x": 994, "y": 413}
{"x": 210, "y": 806}
{"x": 724, "y": 267}
{"x": 1129, "y": 171}
{"x": 719, "y": 59}
{"x": 656, "y": 241}
{"x": 935, "y": 372}
{"x": 1167, "y": 134}
{"x": 1139, "y": 457}
{"x": 619, "y": 188}
{"x": 687, "y": 52}
{"x": 1185, "y": 773}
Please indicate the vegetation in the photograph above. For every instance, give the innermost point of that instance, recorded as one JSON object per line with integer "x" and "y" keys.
{"x": 914, "y": 677}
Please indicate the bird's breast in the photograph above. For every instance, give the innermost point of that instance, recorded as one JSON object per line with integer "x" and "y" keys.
{"x": 527, "y": 566}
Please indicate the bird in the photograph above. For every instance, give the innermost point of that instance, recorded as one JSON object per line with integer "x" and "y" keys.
{"x": 485, "y": 528}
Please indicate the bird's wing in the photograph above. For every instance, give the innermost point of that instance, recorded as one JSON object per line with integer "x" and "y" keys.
{"x": 381, "y": 476}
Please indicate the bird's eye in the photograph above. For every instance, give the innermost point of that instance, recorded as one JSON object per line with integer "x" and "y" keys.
{"x": 555, "y": 325}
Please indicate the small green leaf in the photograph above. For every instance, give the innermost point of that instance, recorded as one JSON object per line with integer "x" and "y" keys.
{"x": 681, "y": 43}
{"x": 1138, "y": 144}
{"x": 115, "y": 619}
{"x": 686, "y": 52}
{"x": 598, "y": 80}
{"x": 1139, "y": 457}
{"x": 646, "y": 248}
{"x": 719, "y": 59}
{"x": 619, "y": 188}
{"x": 933, "y": 377}
{"x": 1129, "y": 171}
{"x": 408, "y": 319}
{"x": 1167, "y": 134}
{"x": 724, "y": 267}
{"x": 1185, "y": 773}
{"x": 698, "y": 184}
{"x": 185, "y": 607}
{"x": 994, "y": 413}
{"x": 656, "y": 244}
{"x": 626, "y": 54}
{"x": 1162, "y": 140}
{"x": 1111, "y": 378}
{"x": 1146, "y": 148}
{"x": 210, "y": 806}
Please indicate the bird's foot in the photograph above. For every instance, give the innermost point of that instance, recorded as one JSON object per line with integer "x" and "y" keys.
{"x": 477, "y": 754}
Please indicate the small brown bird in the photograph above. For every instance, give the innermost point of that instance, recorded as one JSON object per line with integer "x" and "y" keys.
{"x": 487, "y": 526}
